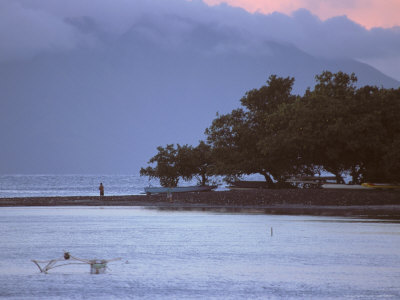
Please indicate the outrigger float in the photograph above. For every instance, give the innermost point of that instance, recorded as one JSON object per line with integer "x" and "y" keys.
{"x": 97, "y": 266}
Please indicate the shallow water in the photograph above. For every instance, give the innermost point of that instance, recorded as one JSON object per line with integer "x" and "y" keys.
{"x": 197, "y": 255}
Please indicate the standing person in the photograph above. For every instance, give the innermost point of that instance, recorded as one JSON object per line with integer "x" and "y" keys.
{"x": 101, "y": 189}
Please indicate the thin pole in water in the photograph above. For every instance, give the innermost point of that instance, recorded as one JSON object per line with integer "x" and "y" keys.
{"x": 272, "y": 231}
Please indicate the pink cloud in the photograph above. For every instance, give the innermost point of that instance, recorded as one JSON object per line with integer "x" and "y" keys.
{"x": 369, "y": 13}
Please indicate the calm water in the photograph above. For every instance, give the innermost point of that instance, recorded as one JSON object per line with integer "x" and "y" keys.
{"x": 70, "y": 185}
{"x": 75, "y": 185}
{"x": 197, "y": 255}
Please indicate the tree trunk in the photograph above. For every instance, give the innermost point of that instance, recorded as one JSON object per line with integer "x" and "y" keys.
{"x": 356, "y": 174}
{"x": 339, "y": 178}
{"x": 267, "y": 177}
{"x": 203, "y": 179}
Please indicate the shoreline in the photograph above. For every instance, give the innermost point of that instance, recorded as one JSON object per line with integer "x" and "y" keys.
{"x": 380, "y": 204}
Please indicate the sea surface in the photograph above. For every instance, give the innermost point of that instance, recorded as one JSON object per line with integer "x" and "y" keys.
{"x": 71, "y": 185}
{"x": 197, "y": 255}
{"x": 12, "y": 186}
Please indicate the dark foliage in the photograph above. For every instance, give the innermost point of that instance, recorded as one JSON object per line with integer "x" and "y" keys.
{"x": 334, "y": 127}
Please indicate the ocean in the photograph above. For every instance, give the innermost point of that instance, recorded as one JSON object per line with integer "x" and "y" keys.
{"x": 197, "y": 255}
{"x": 12, "y": 186}
{"x": 71, "y": 185}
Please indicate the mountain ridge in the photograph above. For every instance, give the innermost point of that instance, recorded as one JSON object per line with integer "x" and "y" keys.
{"x": 104, "y": 109}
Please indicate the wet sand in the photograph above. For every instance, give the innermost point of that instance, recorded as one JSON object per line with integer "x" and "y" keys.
{"x": 379, "y": 203}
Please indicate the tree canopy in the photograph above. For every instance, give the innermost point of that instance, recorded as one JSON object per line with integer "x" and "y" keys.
{"x": 335, "y": 127}
{"x": 166, "y": 168}
{"x": 236, "y": 137}
{"x": 172, "y": 163}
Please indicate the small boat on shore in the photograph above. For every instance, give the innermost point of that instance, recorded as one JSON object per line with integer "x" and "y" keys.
{"x": 248, "y": 185}
{"x": 182, "y": 189}
{"x": 344, "y": 186}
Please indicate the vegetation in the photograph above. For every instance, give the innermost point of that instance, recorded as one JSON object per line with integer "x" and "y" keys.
{"x": 166, "y": 169}
{"x": 334, "y": 127}
{"x": 186, "y": 162}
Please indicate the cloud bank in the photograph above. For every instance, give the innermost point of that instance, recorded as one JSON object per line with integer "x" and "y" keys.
{"x": 28, "y": 28}
{"x": 369, "y": 13}
{"x": 90, "y": 88}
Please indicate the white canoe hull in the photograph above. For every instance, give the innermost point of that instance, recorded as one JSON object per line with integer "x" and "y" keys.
{"x": 344, "y": 186}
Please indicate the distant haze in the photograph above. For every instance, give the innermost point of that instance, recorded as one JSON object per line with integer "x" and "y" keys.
{"x": 92, "y": 89}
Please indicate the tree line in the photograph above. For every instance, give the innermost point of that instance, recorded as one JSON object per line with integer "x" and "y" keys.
{"x": 335, "y": 127}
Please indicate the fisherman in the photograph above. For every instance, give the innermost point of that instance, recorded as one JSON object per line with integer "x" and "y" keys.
{"x": 169, "y": 196}
{"x": 101, "y": 189}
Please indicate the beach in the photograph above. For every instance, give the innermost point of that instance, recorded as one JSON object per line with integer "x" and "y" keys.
{"x": 379, "y": 203}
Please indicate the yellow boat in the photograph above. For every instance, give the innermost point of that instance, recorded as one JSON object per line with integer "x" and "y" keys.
{"x": 381, "y": 185}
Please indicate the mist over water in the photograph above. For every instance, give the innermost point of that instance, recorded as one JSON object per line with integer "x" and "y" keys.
{"x": 197, "y": 255}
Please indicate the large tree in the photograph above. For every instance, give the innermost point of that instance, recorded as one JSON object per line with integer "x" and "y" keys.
{"x": 166, "y": 168}
{"x": 339, "y": 128}
{"x": 334, "y": 127}
{"x": 236, "y": 137}
{"x": 195, "y": 162}
{"x": 378, "y": 133}
{"x": 322, "y": 122}
{"x": 172, "y": 163}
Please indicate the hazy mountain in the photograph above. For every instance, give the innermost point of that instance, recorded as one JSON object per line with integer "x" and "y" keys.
{"x": 105, "y": 108}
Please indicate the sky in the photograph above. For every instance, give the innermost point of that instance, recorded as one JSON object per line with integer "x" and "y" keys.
{"x": 368, "y": 13}
{"x": 366, "y": 30}
{"x": 94, "y": 87}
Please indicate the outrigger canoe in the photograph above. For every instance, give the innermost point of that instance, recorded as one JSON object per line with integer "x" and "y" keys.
{"x": 97, "y": 266}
